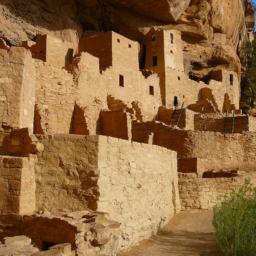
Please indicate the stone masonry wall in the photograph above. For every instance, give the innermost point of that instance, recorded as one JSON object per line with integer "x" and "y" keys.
{"x": 213, "y": 150}
{"x": 55, "y": 99}
{"x": 66, "y": 173}
{"x": 137, "y": 186}
{"x": 17, "y": 185}
{"x": 189, "y": 91}
{"x": 17, "y": 88}
{"x": 205, "y": 193}
{"x": 237, "y": 124}
{"x": 135, "y": 183}
{"x": 90, "y": 90}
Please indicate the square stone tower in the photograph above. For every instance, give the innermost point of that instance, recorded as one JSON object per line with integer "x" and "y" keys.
{"x": 164, "y": 51}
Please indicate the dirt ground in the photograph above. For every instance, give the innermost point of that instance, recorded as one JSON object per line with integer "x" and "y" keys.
{"x": 188, "y": 233}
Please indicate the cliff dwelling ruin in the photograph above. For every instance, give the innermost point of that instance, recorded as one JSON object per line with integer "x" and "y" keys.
{"x": 93, "y": 120}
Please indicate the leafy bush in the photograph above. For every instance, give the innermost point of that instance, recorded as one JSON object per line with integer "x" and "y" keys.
{"x": 235, "y": 223}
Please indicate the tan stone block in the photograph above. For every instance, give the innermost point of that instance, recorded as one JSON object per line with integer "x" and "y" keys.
{"x": 17, "y": 241}
{"x": 13, "y": 162}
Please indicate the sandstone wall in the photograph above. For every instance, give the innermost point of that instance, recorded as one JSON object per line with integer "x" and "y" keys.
{"x": 163, "y": 51}
{"x": 135, "y": 183}
{"x": 17, "y": 185}
{"x": 94, "y": 45}
{"x": 190, "y": 92}
{"x": 59, "y": 53}
{"x": 205, "y": 193}
{"x": 66, "y": 173}
{"x": 237, "y": 124}
{"x": 125, "y": 52}
{"x": 120, "y": 87}
{"x": 55, "y": 99}
{"x": 182, "y": 118}
{"x": 216, "y": 151}
{"x": 17, "y": 88}
{"x": 115, "y": 124}
{"x": 213, "y": 150}
{"x": 252, "y": 123}
{"x": 50, "y": 49}
{"x": 137, "y": 186}
{"x": 98, "y": 92}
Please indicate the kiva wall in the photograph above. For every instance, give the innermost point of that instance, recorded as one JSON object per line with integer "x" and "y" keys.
{"x": 135, "y": 183}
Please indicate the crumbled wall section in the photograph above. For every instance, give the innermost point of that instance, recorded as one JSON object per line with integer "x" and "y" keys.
{"x": 86, "y": 233}
{"x": 205, "y": 193}
{"x": 182, "y": 118}
{"x": 17, "y": 185}
{"x": 137, "y": 186}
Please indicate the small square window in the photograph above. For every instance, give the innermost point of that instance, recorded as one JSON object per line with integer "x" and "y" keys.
{"x": 154, "y": 60}
{"x": 130, "y": 46}
{"x": 118, "y": 40}
{"x": 151, "y": 90}
{"x": 121, "y": 80}
{"x": 179, "y": 78}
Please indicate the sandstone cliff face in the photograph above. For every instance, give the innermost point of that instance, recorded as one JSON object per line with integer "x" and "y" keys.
{"x": 213, "y": 30}
{"x": 22, "y": 20}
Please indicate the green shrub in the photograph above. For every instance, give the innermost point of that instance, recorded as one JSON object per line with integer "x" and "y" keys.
{"x": 235, "y": 223}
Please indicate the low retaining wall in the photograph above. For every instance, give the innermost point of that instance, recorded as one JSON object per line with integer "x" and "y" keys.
{"x": 213, "y": 150}
{"x": 237, "y": 124}
{"x": 205, "y": 193}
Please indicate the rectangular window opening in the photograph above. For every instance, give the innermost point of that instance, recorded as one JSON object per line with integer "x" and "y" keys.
{"x": 154, "y": 61}
{"x": 121, "y": 80}
{"x": 151, "y": 90}
{"x": 231, "y": 79}
{"x": 172, "y": 38}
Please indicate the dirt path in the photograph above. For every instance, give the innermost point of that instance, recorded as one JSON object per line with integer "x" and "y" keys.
{"x": 188, "y": 234}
